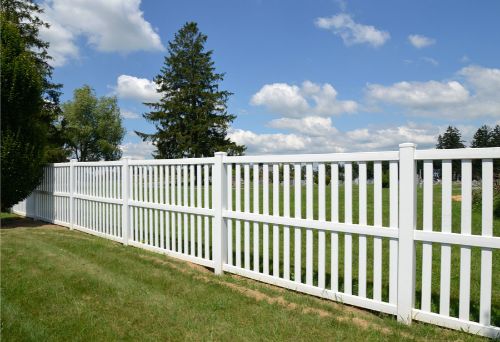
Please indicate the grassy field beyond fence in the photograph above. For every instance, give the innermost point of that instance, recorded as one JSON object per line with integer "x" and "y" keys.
{"x": 455, "y": 261}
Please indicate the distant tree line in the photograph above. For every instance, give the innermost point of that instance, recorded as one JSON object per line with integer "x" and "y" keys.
{"x": 485, "y": 136}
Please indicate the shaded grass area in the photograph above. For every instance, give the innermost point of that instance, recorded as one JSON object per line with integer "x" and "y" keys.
{"x": 59, "y": 284}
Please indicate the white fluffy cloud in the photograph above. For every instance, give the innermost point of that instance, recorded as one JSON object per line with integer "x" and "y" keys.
{"x": 127, "y": 114}
{"x": 420, "y": 41}
{"x": 310, "y": 125}
{"x": 140, "y": 150}
{"x": 474, "y": 93}
{"x": 62, "y": 42}
{"x": 352, "y": 32}
{"x": 333, "y": 140}
{"x": 294, "y": 101}
{"x": 389, "y": 138}
{"x": 140, "y": 89}
{"x": 108, "y": 26}
{"x": 269, "y": 143}
{"x": 420, "y": 94}
{"x": 483, "y": 80}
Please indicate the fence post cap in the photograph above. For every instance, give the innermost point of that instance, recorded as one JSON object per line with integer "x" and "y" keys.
{"x": 403, "y": 145}
{"x": 73, "y": 160}
{"x": 220, "y": 153}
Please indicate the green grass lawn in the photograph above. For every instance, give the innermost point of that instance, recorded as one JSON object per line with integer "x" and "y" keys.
{"x": 58, "y": 284}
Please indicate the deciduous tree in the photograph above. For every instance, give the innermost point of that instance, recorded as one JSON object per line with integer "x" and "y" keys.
{"x": 93, "y": 126}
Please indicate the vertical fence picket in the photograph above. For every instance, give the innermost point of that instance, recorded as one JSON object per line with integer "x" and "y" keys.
{"x": 126, "y": 185}
{"x": 321, "y": 217}
{"x": 162, "y": 201}
{"x": 335, "y": 219}
{"x": 465, "y": 252}
{"x": 265, "y": 211}
{"x": 309, "y": 232}
{"x": 362, "y": 221}
{"x": 377, "y": 242}
{"x": 198, "y": 217}
{"x": 179, "y": 203}
{"x": 156, "y": 189}
{"x": 230, "y": 208}
{"x": 185, "y": 203}
{"x": 150, "y": 199}
{"x": 486, "y": 254}
{"x": 167, "y": 213}
{"x": 348, "y": 236}
{"x": 192, "y": 228}
{"x": 276, "y": 228}
{"x": 427, "y": 226}
{"x": 173, "y": 201}
{"x": 246, "y": 192}
{"x": 286, "y": 229}
{"x": 297, "y": 178}
{"x": 444, "y": 298}
{"x": 207, "y": 205}
{"x": 256, "y": 235}
{"x": 141, "y": 210}
{"x": 393, "y": 223}
{"x": 73, "y": 172}
{"x": 135, "y": 210}
{"x": 238, "y": 208}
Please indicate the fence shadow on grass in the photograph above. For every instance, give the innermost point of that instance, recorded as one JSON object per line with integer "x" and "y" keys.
{"x": 20, "y": 222}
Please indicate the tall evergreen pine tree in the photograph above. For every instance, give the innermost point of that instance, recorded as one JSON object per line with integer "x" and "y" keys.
{"x": 451, "y": 138}
{"x": 482, "y": 137}
{"x": 191, "y": 119}
{"x": 486, "y": 136}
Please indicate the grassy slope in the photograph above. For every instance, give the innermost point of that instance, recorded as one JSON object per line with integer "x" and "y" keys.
{"x": 65, "y": 285}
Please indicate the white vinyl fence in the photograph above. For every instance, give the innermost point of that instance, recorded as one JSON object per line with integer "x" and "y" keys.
{"x": 318, "y": 224}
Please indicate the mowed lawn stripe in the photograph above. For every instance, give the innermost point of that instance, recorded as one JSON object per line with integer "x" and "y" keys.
{"x": 66, "y": 285}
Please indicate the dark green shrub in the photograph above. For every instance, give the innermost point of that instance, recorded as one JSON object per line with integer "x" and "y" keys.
{"x": 477, "y": 199}
{"x": 21, "y": 168}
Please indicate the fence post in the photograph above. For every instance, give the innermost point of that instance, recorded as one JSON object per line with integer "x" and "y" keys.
{"x": 219, "y": 204}
{"x": 407, "y": 223}
{"x": 125, "y": 198}
{"x": 72, "y": 193}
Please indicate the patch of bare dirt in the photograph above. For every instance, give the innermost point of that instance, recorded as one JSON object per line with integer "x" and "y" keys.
{"x": 457, "y": 198}
{"x": 364, "y": 324}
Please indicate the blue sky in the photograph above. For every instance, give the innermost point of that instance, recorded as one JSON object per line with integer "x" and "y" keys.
{"x": 307, "y": 76}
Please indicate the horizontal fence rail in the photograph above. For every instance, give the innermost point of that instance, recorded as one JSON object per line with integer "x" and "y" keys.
{"x": 409, "y": 233}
